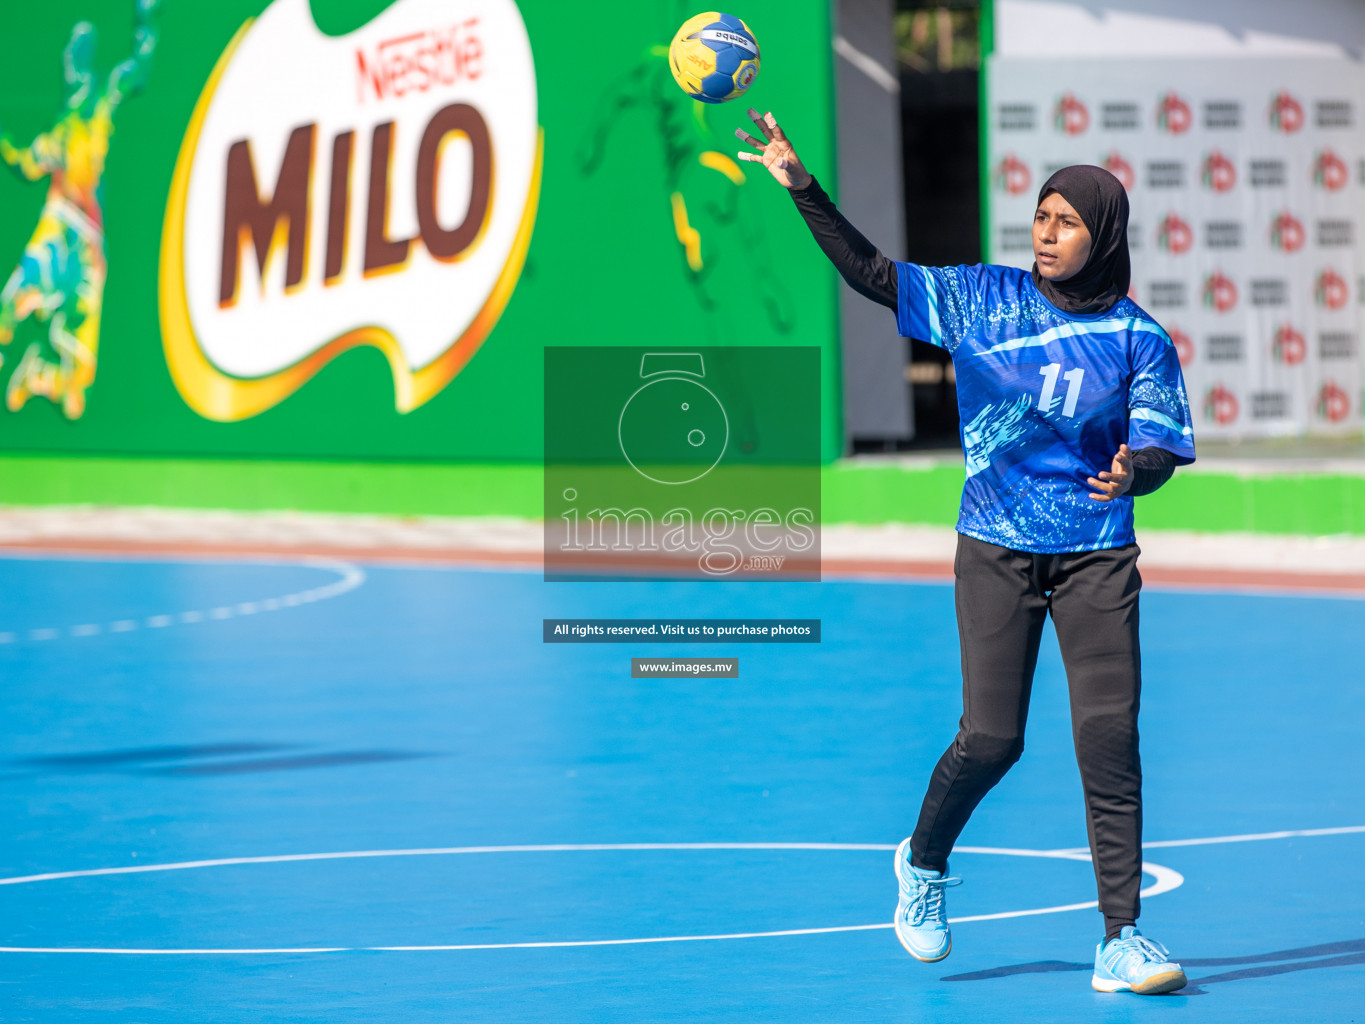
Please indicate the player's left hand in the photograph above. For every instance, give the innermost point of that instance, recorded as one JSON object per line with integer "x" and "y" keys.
{"x": 1114, "y": 483}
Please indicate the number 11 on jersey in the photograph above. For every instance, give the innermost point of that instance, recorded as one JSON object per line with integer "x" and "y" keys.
{"x": 1073, "y": 388}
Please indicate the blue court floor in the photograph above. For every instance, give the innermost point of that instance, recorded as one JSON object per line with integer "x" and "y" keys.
{"x": 313, "y": 791}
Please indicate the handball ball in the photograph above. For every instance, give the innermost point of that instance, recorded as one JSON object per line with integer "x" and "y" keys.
{"x": 714, "y": 57}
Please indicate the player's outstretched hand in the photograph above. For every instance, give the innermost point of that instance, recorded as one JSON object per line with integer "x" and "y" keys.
{"x": 775, "y": 153}
{"x": 1114, "y": 483}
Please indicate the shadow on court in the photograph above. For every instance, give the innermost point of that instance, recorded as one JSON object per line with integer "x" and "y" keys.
{"x": 1262, "y": 965}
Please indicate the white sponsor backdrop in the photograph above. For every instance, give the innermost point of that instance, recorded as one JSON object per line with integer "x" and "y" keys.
{"x": 1247, "y": 184}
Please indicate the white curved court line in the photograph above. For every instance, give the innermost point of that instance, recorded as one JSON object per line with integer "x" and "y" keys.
{"x": 1167, "y": 879}
{"x": 352, "y": 576}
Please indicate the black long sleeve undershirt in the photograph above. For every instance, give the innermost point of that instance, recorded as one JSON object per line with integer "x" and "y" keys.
{"x": 1152, "y": 467}
{"x": 865, "y": 269}
{"x": 870, "y": 273}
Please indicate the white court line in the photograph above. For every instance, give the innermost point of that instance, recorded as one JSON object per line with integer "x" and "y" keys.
{"x": 352, "y": 576}
{"x": 1251, "y": 837}
{"x": 1167, "y": 879}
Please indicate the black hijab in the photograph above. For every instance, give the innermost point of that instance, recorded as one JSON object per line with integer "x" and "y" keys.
{"x": 1099, "y": 198}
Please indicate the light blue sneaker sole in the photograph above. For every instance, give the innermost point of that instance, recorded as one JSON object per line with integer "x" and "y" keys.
{"x": 932, "y": 957}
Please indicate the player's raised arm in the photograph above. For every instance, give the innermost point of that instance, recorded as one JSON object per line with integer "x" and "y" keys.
{"x": 131, "y": 75}
{"x": 33, "y": 162}
{"x": 865, "y": 269}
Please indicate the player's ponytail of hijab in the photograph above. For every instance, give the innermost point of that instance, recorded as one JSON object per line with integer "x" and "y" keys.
{"x": 1102, "y": 203}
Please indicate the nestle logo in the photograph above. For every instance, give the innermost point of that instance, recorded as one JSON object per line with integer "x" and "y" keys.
{"x": 1120, "y": 116}
{"x": 1223, "y": 234}
{"x": 1165, "y": 174}
{"x": 1269, "y": 405}
{"x": 1166, "y": 294}
{"x": 1017, "y": 117}
{"x": 419, "y": 61}
{"x": 1269, "y": 173}
{"x": 1335, "y": 232}
{"x": 1333, "y": 114}
{"x": 1014, "y": 238}
{"x": 1222, "y": 114}
{"x": 1336, "y": 345}
{"x": 1269, "y": 292}
{"x": 1224, "y": 348}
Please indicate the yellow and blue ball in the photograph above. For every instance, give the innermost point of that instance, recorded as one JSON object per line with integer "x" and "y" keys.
{"x": 714, "y": 57}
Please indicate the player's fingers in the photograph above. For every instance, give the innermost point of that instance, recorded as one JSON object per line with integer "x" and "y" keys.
{"x": 1099, "y": 497}
{"x": 774, "y": 127}
{"x": 757, "y": 119}
{"x": 755, "y": 157}
{"x": 744, "y": 136}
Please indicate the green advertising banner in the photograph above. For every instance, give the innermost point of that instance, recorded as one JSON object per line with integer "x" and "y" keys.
{"x": 348, "y": 229}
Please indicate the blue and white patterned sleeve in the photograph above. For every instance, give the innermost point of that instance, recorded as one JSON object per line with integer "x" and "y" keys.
{"x": 1158, "y": 410}
{"x": 936, "y": 304}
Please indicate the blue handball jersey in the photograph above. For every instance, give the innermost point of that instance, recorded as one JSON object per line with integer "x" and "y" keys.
{"x": 1046, "y": 398}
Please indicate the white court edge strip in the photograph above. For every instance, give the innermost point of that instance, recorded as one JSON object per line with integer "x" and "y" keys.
{"x": 352, "y": 576}
{"x": 1166, "y": 880}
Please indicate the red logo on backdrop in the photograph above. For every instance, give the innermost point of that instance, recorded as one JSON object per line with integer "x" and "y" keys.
{"x": 1070, "y": 115}
{"x": 1334, "y": 404}
{"x": 1289, "y": 347}
{"x": 1220, "y": 294}
{"x": 1330, "y": 171}
{"x": 1174, "y": 235}
{"x": 1286, "y": 233}
{"x": 1331, "y": 290}
{"x": 1220, "y": 174}
{"x": 1184, "y": 347}
{"x": 1286, "y": 113}
{"x": 1121, "y": 169}
{"x": 1173, "y": 114}
{"x": 1220, "y": 405}
{"x": 1013, "y": 175}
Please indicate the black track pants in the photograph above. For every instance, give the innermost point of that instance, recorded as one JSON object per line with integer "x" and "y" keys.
{"x": 1002, "y": 599}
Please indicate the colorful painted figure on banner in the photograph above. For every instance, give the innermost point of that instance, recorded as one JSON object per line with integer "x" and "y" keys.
{"x": 717, "y": 239}
{"x": 59, "y": 281}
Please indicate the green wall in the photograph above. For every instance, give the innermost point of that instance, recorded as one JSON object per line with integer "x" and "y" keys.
{"x": 605, "y": 266}
{"x": 852, "y": 491}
